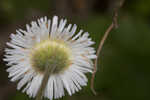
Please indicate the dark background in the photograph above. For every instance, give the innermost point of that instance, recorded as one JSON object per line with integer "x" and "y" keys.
{"x": 124, "y": 64}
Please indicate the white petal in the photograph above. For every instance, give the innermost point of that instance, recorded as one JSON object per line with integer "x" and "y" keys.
{"x": 27, "y": 77}
{"x": 54, "y": 26}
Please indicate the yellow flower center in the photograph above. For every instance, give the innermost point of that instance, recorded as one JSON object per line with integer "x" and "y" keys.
{"x": 50, "y": 53}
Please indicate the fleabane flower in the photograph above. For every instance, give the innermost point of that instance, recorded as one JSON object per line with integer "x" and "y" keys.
{"x": 50, "y": 44}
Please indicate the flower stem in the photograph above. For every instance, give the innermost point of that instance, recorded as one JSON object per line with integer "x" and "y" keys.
{"x": 48, "y": 72}
{"x": 112, "y": 26}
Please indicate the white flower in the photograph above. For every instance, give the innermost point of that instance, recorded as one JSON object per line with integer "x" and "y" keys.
{"x": 51, "y": 45}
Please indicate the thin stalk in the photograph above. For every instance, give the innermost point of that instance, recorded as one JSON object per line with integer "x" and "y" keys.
{"x": 112, "y": 26}
{"x": 48, "y": 72}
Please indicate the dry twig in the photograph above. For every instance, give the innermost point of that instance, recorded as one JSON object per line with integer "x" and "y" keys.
{"x": 113, "y": 25}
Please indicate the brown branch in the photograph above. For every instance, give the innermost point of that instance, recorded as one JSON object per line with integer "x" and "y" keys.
{"x": 113, "y": 25}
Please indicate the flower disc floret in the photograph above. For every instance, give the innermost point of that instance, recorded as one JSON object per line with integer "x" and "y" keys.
{"x": 50, "y": 54}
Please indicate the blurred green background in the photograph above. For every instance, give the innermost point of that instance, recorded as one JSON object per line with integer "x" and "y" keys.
{"x": 124, "y": 64}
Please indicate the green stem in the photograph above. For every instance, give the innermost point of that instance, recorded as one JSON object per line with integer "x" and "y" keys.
{"x": 48, "y": 72}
